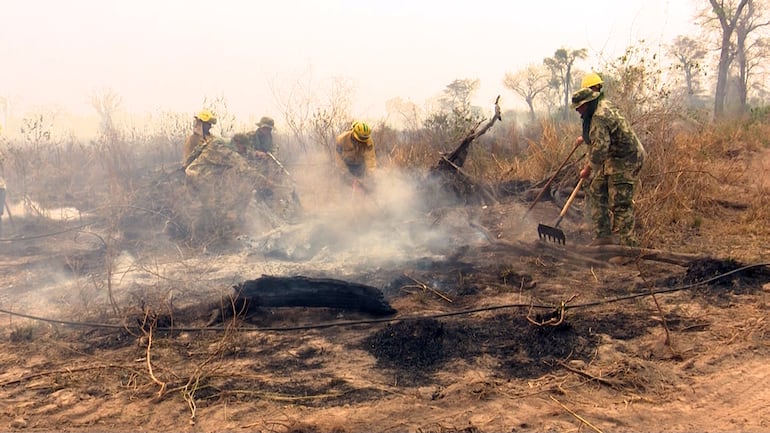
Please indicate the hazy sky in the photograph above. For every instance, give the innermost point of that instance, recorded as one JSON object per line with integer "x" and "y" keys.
{"x": 169, "y": 54}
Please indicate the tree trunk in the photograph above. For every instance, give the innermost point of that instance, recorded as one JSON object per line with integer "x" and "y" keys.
{"x": 724, "y": 65}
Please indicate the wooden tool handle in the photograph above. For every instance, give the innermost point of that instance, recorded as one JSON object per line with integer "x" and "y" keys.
{"x": 571, "y": 197}
{"x": 569, "y": 202}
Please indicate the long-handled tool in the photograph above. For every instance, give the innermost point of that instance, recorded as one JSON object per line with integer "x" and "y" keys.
{"x": 294, "y": 195}
{"x": 554, "y": 233}
{"x": 558, "y": 170}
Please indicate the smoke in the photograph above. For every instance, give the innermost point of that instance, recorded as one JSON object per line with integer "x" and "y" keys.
{"x": 394, "y": 222}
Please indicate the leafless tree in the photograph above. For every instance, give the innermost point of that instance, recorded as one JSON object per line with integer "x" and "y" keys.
{"x": 225, "y": 119}
{"x": 689, "y": 54}
{"x": 107, "y": 103}
{"x": 749, "y": 49}
{"x": 528, "y": 83}
{"x": 407, "y": 112}
{"x": 726, "y": 13}
{"x": 313, "y": 118}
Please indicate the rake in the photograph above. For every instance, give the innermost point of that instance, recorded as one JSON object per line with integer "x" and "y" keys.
{"x": 554, "y": 233}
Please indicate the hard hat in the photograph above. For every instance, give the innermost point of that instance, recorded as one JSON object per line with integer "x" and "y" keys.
{"x": 266, "y": 122}
{"x": 206, "y": 116}
{"x": 591, "y": 79}
{"x": 362, "y": 132}
{"x": 582, "y": 96}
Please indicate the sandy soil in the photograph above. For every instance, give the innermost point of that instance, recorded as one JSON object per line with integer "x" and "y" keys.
{"x": 480, "y": 342}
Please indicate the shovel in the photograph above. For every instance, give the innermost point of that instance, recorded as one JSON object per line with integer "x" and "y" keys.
{"x": 554, "y": 233}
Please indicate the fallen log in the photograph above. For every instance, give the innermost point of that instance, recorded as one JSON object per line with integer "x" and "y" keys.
{"x": 606, "y": 252}
{"x": 600, "y": 256}
{"x": 268, "y": 291}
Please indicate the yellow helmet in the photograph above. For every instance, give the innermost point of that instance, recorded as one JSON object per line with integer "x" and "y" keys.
{"x": 206, "y": 116}
{"x": 591, "y": 79}
{"x": 362, "y": 132}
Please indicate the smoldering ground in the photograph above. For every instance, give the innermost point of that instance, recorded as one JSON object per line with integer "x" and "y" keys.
{"x": 395, "y": 221}
{"x": 129, "y": 259}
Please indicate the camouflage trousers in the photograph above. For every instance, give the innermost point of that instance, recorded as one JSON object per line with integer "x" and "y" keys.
{"x": 611, "y": 203}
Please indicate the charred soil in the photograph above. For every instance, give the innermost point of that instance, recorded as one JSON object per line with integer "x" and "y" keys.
{"x": 499, "y": 334}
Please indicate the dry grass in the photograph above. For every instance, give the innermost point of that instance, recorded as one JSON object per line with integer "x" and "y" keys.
{"x": 694, "y": 175}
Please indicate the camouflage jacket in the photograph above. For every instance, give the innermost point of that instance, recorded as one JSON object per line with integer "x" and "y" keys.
{"x": 213, "y": 157}
{"x": 614, "y": 146}
{"x": 357, "y": 158}
{"x": 247, "y": 143}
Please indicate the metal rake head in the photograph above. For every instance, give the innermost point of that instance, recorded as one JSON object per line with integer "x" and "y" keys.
{"x": 552, "y": 234}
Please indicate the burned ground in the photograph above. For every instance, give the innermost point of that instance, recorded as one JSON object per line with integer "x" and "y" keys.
{"x": 493, "y": 331}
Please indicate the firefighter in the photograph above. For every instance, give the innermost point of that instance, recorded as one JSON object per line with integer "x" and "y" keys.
{"x": 615, "y": 158}
{"x": 256, "y": 145}
{"x": 202, "y": 123}
{"x": 355, "y": 156}
{"x": 220, "y": 178}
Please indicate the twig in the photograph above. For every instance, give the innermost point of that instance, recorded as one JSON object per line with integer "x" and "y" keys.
{"x": 424, "y": 287}
{"x": 608, "y": 382}
{"x": 576, "y": 416}
{"x": 553, "y": 321}
{"x": 147, "y": 356}
{"x": 663, "y": 321}
{"x": 61, "y": 371}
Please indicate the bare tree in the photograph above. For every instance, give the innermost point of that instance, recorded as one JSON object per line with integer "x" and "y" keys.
{"x": 689, "y": 54}
{"x": 107, "y": 103}
{"x": 225, "y": 119}
{"x": 748, "y": 47}
{"x": 528, "y": 83}
{"x": 457, "y": 95}
{"x": 314, "y": 117}
{"x": 560, "y": 66}
{"x": 756, "y": 67}
{"x": 727, "y": 14}
{"x": 407, "y": 113}
{"x": 332, "y": 116}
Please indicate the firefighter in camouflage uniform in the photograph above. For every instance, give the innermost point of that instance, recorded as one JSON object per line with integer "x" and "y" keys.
{"x": 615, "y": 159}
{"x": 220, "y": 178}
{"x": 257, "y": 144}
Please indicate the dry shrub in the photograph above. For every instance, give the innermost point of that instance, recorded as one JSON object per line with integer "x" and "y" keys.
{"x": 687, "y": 182}
{"x": 545, "y": 157}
